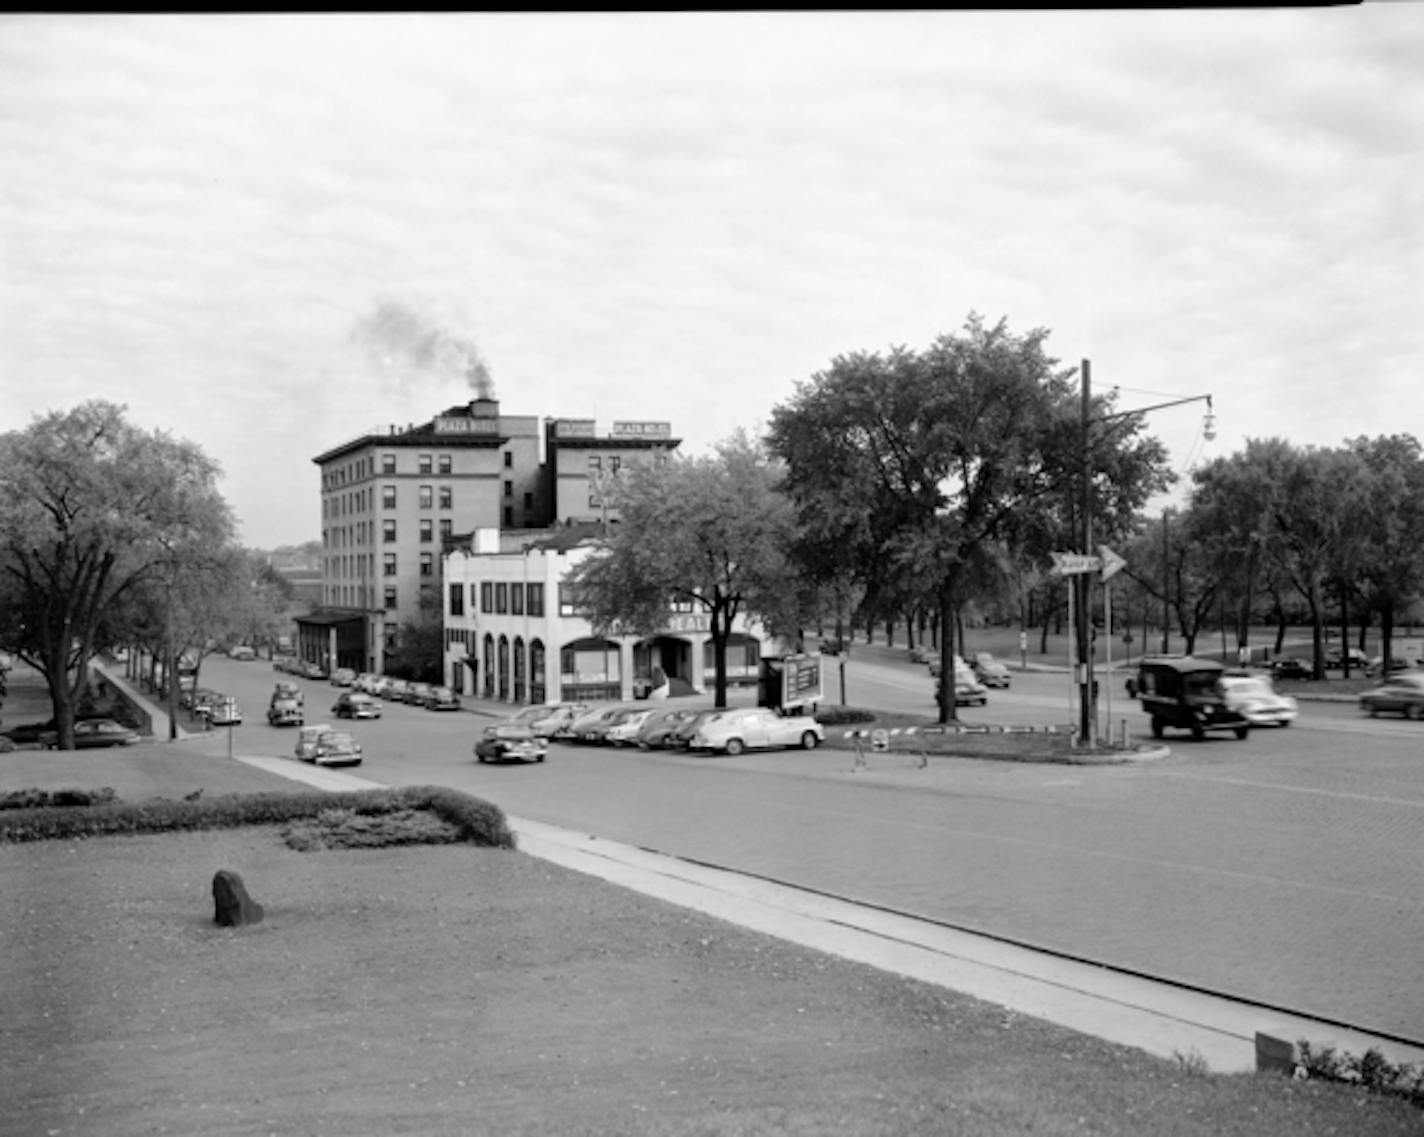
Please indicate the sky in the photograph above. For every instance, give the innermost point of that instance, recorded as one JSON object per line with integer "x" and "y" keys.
{"x": 268, "y": 234}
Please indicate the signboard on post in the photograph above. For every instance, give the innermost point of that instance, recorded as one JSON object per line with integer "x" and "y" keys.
{"x": 1112, "y": 563}
{"x": 1071, "y": 564}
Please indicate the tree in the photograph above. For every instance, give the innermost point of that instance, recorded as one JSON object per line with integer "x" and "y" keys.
{"x": 90, "y": 508}
{"x": 1390, "y": 529}
{"x": 917, "y": 466}
{"x": 711, "y": 531}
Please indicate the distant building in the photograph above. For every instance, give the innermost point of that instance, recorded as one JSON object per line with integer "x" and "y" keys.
{"x": 514, "y": 631}
{"x": 394, "y": 498}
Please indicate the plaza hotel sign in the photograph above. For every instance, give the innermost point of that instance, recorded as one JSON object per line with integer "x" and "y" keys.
{"x": 455, "y": 424}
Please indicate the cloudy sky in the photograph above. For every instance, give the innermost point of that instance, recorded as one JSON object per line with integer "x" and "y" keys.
{"x": 222, "y": 221}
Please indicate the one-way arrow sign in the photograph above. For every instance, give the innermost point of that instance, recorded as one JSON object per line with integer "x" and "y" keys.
{"x": 1070, "y": 564}
{"x": 1111, "y": 562}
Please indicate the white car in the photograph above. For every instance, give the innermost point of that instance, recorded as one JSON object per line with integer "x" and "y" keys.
{"x": 756, "y": 728}
{"x": 1255, "y": 699}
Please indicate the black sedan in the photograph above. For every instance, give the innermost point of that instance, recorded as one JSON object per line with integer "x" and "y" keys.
{"x": 1291, "y": 669}
{"x": 92, "y": 733}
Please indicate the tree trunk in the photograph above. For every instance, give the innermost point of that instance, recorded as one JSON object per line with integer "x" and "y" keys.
{"x": 948, "y": 710}
{"x": 721, "y": 628}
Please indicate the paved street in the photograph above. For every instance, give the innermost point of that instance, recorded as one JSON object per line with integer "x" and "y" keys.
{"x": 1286, "y": 869}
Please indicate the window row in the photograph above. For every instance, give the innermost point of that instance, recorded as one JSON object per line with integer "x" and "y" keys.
{"x": 426, "y": 495}
{"x": 427, "y": 530}
{"x": 505, "y": 598}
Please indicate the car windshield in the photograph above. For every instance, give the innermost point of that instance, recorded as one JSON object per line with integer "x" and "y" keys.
{"x": 1413, "y": 682}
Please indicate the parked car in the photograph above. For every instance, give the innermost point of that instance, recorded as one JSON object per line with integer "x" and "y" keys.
{"x": 756, "y": 728}
{"x": 415, "y": 693}
{"x": 312, "y": 670}
{"x": 441, "y": 699}
{"x": 1401, "y": 694}
{"x": 555, "y": 719}
{"x": 396, "y": 690}
{"x": 989, "y": 671}
{"x": 1291, "y": 669}
{"x": 366, "y": 683}
{"x": 681, "y": 736}
{"x": 343, "y": 677}
{"x": 1255, "y": 698}
{"x": 919, "y": 655}
{"x": 590, "y": 725}
{"x": 90, "y": 734}
{"x": 603, "y": 730}
{"x": 834, "y": 646}
{"x": 1358, "y": 659}
{"x": 1184, "y": 692}
{"x": 356, "y": 705}
{"x": 661, "y": 723}
{"x": 241, "y": 651}
{"x": 336, "y": 748}
{"x": 510, "y": 742}
{"x": 285, "y": 712}
{"x": 625, "y": 731}
{"x": 306, "y": 740}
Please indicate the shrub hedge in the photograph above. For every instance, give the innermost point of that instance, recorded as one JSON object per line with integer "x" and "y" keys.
{"x": 477, "y": 821}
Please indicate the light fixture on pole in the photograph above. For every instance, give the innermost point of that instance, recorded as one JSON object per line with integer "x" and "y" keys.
{"x": 1087, "y": 698}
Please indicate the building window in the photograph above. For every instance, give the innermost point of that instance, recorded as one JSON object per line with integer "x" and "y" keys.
{"x": 390, "y": 597}
{"x": 444, "y": 463}
{"x": 427, "y": 531}
{"x": 388, "y": 497}
{"x": 569, "y": 601}
{"x": 390, "y": 636}
{"x": 509, "y": 517}
{"x": 447, "y": 528}
{"x": 595, "y": 464}
{"x": 508, "y": 460}
{"x": 536, "y": 599}
{"x": 508, "y": 488}
{"x": 615, "y": 463}
{"x": 516, "y": 599}
{"x": 447, "y": 497}
{"x": 425, "y": 464}
{"x": 427, "y": 564}
{"x": 427, "y": 496}
{"x": 388, "y": 463}
{"x": 457, "y": 600}
{"x": 528, "y": 502}
{"x": 389, "y": 565}
{"x": 501, "y": 598}
{"x": 388, "y": 530}
{"x": 486, "y": 597}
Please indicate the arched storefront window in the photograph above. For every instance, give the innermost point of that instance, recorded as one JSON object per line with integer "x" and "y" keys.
{"x": 504, "y": 667}
{"x": 591, "y": 669}
{"x": 489, "y": 667}
{"x": 743, "y": 660}
{"x": 538, "y": 684}
{"x": 519, "y": 676}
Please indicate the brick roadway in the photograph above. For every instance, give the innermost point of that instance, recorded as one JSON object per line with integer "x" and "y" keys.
{"x": 1287, "y": 870}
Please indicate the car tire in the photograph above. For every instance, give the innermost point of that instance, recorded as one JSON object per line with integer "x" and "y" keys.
{"x": 734, "y": 746}
{"x": 1158, "y": 727}
{"x": 1242, "y": 731}
{"x": 809, "y": 741}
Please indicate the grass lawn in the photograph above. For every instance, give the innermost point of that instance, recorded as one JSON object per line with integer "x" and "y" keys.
{"x": 462, "y": 990}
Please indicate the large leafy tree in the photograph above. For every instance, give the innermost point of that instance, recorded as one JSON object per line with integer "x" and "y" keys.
{"x": 1386, "y": 526}
{"x": 712, "y": 531}
{"x": 923, "y": 467}
{"x": 91, "y": 507}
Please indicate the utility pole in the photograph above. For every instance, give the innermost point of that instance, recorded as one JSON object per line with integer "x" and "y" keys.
{"x": 1087, "y": 716}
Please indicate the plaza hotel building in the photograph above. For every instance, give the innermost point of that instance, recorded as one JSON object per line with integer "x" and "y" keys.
{"x": 473, "y": 518}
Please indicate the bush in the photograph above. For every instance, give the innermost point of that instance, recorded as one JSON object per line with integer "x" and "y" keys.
{"x": 1374, "y": 1071}
{"x": 38, "y": 799}
{"x": 473, "y": 820}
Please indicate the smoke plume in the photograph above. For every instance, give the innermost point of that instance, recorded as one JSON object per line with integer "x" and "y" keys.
{"x": 400, "y": 340}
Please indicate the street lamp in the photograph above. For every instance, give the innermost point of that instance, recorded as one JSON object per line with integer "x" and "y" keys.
{"x": 1087, "y": 701}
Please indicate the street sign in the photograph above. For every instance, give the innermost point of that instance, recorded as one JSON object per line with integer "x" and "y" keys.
{"x": 1111, "y": 562}
{"x": 1070, "y": 564}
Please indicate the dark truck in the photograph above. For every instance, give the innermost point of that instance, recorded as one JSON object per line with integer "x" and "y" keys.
{"x": 1183, "y": 692}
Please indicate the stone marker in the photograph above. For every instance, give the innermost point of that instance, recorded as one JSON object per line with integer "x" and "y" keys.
{"x": 234, "y": 906}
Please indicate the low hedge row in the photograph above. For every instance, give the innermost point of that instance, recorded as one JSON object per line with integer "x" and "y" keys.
{"x": 478, "y": 822}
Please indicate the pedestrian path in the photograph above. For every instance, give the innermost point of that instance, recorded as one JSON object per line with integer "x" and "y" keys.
{"x": 1161, "y": 1018}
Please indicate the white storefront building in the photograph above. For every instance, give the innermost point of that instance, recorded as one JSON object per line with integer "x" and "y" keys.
{"x": 513, "y": 632}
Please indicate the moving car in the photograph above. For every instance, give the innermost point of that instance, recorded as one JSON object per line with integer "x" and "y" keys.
{"x": 1396, "y": 664}
{"x": 336, "y": 748}
{"x": 92, "y": 734}
{"x": 755, "y": 728}
{"x": 1184, "y": 692}
{"x": 306, "y": 740}
{"x": 1357, "y": 658}
{"x": 286, "y": 689}
{"x": 1402, "y": 694}
{"x": 224, "y": 711}
{"x": 285, "y": 712}
{"x": 355, "y": 705}
{"x": 510, "y": 742}
{"x": 1291, "y": 669}
{"x": 990, "y": 672}
{"x": 241, "y": 651}
{"x": 1258, "y": 701}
